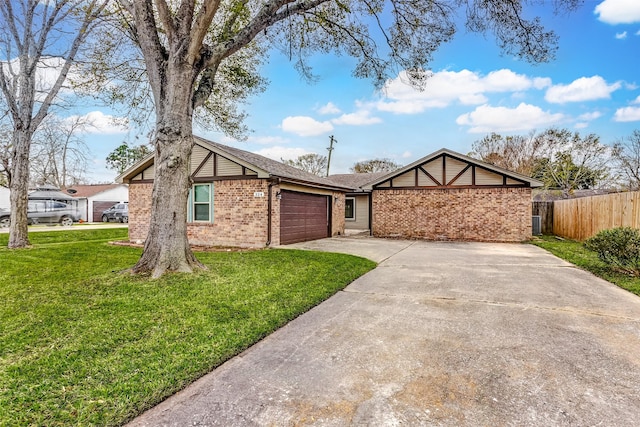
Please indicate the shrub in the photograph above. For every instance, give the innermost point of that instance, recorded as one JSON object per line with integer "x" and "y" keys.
{"x": 619, "y": 247}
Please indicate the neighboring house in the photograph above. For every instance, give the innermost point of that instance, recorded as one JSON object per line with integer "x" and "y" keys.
{"x": 243, "y": 199}
{"x": 94, "y": 199}
{"x": 4, "y": 198}
{"x": 443, "y": 196}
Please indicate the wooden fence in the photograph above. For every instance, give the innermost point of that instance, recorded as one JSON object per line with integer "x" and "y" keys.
{"x": 581, "y": 218}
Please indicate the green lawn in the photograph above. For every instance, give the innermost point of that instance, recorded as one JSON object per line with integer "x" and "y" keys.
{"x": 82, "y": 344}
{"x": 577, "y": 254}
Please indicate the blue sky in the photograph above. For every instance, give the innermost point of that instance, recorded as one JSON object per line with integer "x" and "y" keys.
{"x": 593, "y": 86}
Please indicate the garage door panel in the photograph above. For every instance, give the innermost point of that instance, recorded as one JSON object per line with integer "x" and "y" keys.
{"x": 303, "y": 217}
{"x": 99, "y": 207}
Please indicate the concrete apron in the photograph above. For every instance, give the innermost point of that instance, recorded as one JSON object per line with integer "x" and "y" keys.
{"x": 439, "y": 334}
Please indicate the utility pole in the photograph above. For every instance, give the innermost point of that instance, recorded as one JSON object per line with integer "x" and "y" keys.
{"x": 332, "y": 140}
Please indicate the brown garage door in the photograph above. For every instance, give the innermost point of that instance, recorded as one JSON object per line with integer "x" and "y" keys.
{"x": 303, "y": 217}
{"x": 99, "y": 207}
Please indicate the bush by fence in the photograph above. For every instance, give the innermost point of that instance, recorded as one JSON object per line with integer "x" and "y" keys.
{"x": 582, "y": 218}
{"x": 618, "y": 247}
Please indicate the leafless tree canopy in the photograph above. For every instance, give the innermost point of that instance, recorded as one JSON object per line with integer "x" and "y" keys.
{"x": 59, "y": 155}
{"x": 628, "y": 160}
{"x": 559, "y": 158}
{"x": 312, "y": 163}
{"x": 375, "y": 165}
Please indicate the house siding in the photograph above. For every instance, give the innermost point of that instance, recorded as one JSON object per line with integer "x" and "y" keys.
{"x": 239, "y": 218}
{"x": 361, "y": 221}
{"x": 469, "y": 214}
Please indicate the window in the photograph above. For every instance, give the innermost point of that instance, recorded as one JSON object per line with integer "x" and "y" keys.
{"x": 350, "y": 208}
{"x": 201, "y": 203}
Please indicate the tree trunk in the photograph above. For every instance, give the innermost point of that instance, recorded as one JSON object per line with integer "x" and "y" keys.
{"x": 19, "y": 189}
{"x": 166, "y": 247}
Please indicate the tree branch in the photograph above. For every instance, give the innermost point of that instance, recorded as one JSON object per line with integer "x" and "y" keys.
{"x": 201, "y": 26}
{"x": 93, "y": 10}
{"x": 266, "y": 17}
{"x": 164, "y": 14}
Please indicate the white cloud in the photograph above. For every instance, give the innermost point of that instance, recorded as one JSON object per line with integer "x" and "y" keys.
{"x": 278, "y": 152}
{"x": 329, "y": 108}
{"x": 305, "y": 126}
{"x": 100, "y": 123}
{"x": 627, "y": 114}
{"x": 590, "y": 116}
{"x": 502, "y": 119}
{"x": 359, "y": 118}
{"x": 541, "y": 82}
{"x": 406, "y": 154}
{"x": 506, "y": 81}
{"x": 636, "y": 101}
{"x": 621, "y": 36}
{"x": 582, "y": 89}
{"x": 446, "y": 87}
{"x": 618, "y": 11}
{"x": 581, "y": 125}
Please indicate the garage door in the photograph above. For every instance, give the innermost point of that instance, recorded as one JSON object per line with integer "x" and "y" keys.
{"x": 303, "y": 217}
{"x": 99, "y": 207}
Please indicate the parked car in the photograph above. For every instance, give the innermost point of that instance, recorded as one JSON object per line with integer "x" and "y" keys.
{"x": 45, "y": 212}
{"x": 118, "y": 213}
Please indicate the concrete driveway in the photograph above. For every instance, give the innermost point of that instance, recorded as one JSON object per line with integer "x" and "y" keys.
{"x": 449, "y": 334}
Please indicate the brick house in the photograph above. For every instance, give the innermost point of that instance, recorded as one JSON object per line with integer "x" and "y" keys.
{"x": 443, "y": 196}
{"x": 243, "y": 199}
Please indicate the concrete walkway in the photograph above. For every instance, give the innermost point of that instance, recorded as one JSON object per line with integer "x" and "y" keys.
{"x": 453, "y": 334}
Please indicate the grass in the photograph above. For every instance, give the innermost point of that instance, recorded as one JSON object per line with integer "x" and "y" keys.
{"x": 575, "y": 253}
{"x": 81, "y": 344}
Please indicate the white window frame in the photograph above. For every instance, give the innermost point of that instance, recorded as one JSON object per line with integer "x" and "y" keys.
{"x": 192, "y": 203}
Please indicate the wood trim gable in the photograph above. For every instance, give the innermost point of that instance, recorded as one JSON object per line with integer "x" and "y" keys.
{"x": 211, "y": 156}
{"x": 504, "y": 179}
{"x": 429, "y": 176}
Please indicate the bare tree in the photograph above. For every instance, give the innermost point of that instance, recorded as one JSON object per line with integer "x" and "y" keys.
{"x": 5, "y": 153}
{"x": 518, "y": 153}
{"x": 191, "y": 49}
{"x": 577, "y": 163}
{"x": 36, "y": 34}
{"x": 562, "y": 160}
{"x": 375, "y": 165}
{"x": 628, "y": 160}
{"x": 59, "y": 155}
{"x": 312, "y": 163}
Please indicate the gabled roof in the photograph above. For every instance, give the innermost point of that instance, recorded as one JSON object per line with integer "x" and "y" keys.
{"x": 83, "y": 191}
{"x": 356, "y": 180}
{"x": 265, "y": 167}
{"x": 444, "y": 151}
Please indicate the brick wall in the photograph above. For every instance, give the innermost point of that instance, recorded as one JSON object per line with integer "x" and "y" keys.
{"x": 239, "y": 218}
{"x": 477, "y": 214}
{"x": 139, "y": 210}
{"x": 337, "y": 214}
